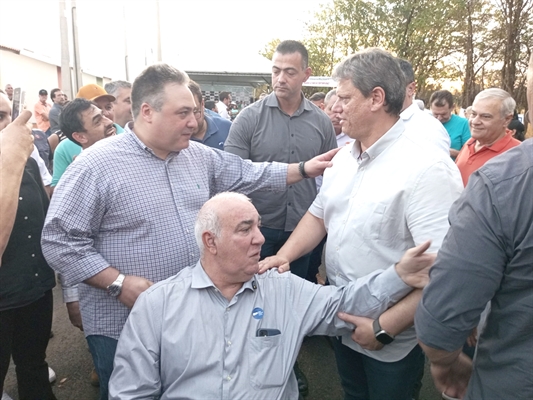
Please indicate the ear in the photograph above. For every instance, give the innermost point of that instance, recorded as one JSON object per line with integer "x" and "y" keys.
{"x": 308, "y": 72}
{"x": 208, "y": 239}
{"x": 377, "y": 96}
{"x": 79, "y": 137}
{"x": 146, "y": 112}
{"x": 411, "y": 89}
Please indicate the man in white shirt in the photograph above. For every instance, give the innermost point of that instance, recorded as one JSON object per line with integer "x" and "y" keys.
{"x": 385, "y": 193}
{"x": 420, "y": 126}
{"x": 224, "y": 100}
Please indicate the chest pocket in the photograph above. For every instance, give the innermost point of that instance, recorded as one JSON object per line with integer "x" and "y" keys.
{"x": 268, "y": 366}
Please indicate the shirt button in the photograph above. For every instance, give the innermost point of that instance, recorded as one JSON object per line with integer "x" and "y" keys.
{"x": 337, "y": 248}
{"x": 25, "y": 217}
{"x": 292, "y": 152}
{"x": 20, "y": 198}
{"x": 36, "y": 274}
{"x": 29, "y": 236}
{"x": 33, "y": 255}
{"x": 229, "y": 342}
{"x": 227, "y": 309}
{"x": 228, "y": 378}
{"x": 290, "y": 204}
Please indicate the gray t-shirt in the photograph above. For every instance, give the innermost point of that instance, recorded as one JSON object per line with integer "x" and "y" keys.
{"x": 487, "y": 255}
{"x": 263, "y": 132}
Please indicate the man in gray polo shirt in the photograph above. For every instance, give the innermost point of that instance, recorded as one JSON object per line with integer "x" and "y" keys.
{"x": 283, "y": 127}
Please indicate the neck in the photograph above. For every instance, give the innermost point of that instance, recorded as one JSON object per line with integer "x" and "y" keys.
{"x": 201, "y": 131}
{"x": 383, "y": 124}
{"x": 480, "y": 143}
{"x": 289, "y": 106}
{"x": 226, "y": 287}
{"x": 141, "y": 131}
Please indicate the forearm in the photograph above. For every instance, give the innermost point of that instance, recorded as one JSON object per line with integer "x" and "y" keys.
{"x": 293, "y": 174}
{"x": 307, "y": 235}
{"x": 401, "y": 316}
{"x": 104, "y": 278}
{"x": 11, "y": 171}
{"x": 440, "y": 357}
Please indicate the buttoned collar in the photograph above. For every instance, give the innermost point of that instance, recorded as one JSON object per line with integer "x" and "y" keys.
{"x": 128, "y": 132}
{"x": 496, "y": 147}
{"x": 384, "y": 142}
{"x": 200, "y": 280}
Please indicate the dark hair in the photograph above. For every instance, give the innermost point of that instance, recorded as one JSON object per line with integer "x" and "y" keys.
{"x": 210, "y": 104}
{"x": 223, "y": 95}
{"x": 372, "y": 68}
{"x": 318, "y": 96}
{"x": 519, "y": 127}
{"x": 293, "y": 46}
{"x": 70, "y": 118}
{"x": 196, "y": 92}
{"x": 407, "y": 70}
{"x": 149, "y": 86}
{"x": 53, "y": 93}
{"x": 113, "y": 87}
{"x": 441, "y": 98}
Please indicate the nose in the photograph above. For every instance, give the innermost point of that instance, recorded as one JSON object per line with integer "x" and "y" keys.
{"x": 258, "y": 238}
{"x": 192, "y": 122}
{"x": 337, "y": 107}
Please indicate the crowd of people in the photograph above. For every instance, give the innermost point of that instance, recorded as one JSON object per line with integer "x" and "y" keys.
{"x": 172, "y": 227}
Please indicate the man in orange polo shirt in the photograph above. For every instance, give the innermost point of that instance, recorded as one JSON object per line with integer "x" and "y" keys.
{"x": 41, "y": 110}
{"x": 491, "y": 113}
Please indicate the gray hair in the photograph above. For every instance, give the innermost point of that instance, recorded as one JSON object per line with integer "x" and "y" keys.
{"x": 208, "y": 219}
{"x": 329, "y": 95}
{"x": 149, "y": 86}
{"x": 114, "y": 86}
{"x": 507, "y": 103}
{"x": 373, "y": 68}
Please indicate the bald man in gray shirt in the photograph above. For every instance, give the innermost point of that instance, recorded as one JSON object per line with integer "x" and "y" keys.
{"x": 220, "y": 331}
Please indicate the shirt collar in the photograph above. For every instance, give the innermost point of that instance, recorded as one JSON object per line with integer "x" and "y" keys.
{"x": 272, "y": 101}
{"x": 409, "y": 112}
{"x": 200, "y": 280}
{"x": 128, "y": 132}
{"x": 498, "y": 145}
{"x": 381, "y": 144}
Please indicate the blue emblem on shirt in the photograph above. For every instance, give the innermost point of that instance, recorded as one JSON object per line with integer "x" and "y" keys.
{"x": 258, "y": 313}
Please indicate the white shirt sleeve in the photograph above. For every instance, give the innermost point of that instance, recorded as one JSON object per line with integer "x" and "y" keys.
{"x": 45, "y": 175}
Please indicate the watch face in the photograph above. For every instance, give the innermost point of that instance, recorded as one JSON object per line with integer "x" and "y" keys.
{"x": 384, "y": 338}
{"x": 114, "y": 290}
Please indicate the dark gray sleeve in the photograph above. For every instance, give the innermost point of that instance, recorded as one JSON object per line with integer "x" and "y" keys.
{"x": 239, "y": 139}
{"x": 468, "y": 270}
{"x": 330, "y": 141}
{"x": 53, "y": 116}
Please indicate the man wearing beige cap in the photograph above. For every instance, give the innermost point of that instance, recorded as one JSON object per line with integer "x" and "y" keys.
{"x": 67, "y": 150}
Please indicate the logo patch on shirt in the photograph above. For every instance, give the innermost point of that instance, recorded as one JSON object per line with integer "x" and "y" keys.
{"x": 258, "y": 313}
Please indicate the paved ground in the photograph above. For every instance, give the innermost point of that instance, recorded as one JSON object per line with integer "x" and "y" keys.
{"x": 69, "y": 357}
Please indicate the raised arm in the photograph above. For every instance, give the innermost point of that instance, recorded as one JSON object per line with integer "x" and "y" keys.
{"x": 16, "y": 145}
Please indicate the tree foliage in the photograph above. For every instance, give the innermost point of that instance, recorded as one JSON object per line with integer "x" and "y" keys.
{"x": 480, "y": 43}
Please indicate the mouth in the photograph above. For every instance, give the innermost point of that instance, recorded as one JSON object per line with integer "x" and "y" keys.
{"x": 110, "y": 131}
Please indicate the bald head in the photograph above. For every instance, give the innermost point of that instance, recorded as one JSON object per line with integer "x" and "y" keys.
{"x": 211, "y": 213}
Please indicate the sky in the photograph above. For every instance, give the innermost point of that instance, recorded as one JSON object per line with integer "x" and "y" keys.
{"x": 208, "y": 34}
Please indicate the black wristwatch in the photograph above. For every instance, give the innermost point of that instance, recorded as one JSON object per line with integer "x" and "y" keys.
{"x": 381, "y": 335}
{"x": 116, "y": 287}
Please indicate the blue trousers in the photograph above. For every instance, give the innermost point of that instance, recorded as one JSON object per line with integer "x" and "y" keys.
{"x": 274, "y": 240}
{"x": 103, "y": 350}
{"x": 364, "y": 378}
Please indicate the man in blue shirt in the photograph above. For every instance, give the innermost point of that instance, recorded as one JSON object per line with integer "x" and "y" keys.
{"x": 212, "y": 130}
{"x": 441, "y": 105}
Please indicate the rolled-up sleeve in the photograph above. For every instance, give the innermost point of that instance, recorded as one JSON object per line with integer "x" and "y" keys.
{"x": 72, "y": 224}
